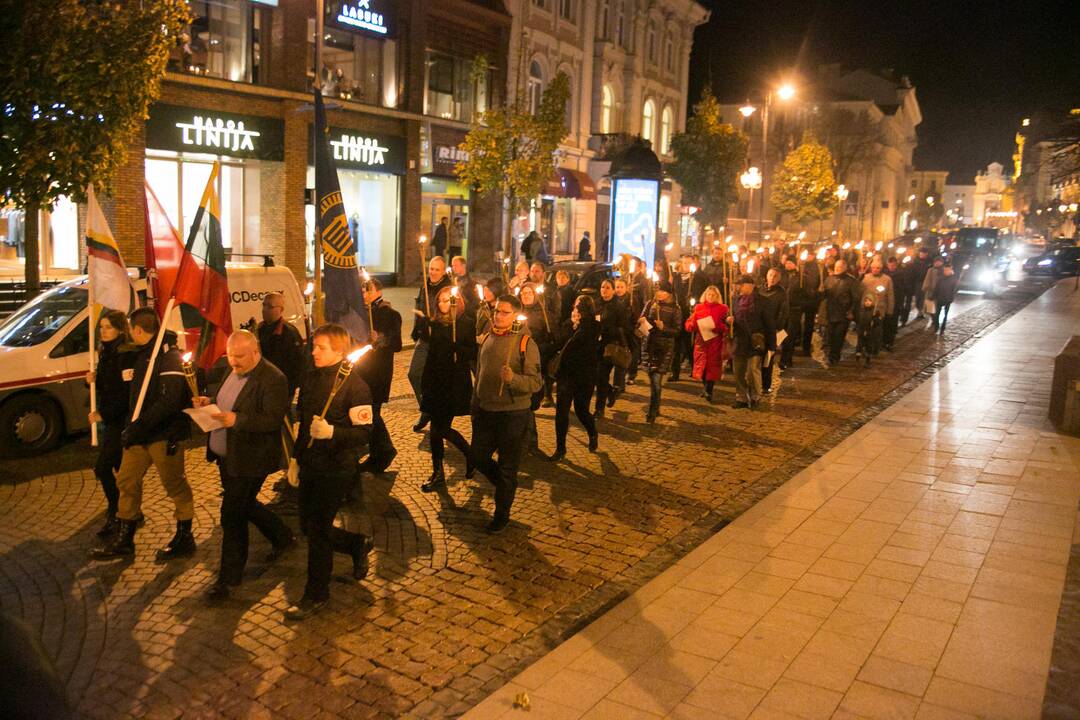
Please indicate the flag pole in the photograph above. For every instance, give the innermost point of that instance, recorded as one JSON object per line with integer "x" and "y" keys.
{"x": 93, "y": 369}
{"x": 153, "y": 358}
{"x": 317, "y": 307}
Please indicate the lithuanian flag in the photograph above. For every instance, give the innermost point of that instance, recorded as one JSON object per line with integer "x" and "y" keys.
{"x": 110, "y": 285}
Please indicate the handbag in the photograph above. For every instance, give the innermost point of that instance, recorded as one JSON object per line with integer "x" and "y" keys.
{"x": 757, "y": 342}
{"x": 619, "y": 355}
{"x": 929, "y": 307}
{"x": 556, "y": 361}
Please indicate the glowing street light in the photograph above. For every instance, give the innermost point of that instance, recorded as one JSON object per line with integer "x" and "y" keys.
{"x": 747, "y": 110}
{"x": 842, "y": 192}
{"x": 751, "y": 180}
{"x": 786, "y": 91}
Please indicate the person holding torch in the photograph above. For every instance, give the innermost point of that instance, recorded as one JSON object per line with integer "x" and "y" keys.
{"x": 507, "y": 375}
{"x": 335, "y": 425}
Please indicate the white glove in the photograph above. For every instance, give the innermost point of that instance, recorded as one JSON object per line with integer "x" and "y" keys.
{"x": 320, "y": 429}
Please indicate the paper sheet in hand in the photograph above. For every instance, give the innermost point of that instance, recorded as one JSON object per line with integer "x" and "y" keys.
{"x": 707, "y": 327}
{"x": 781, "y": 336}
{"x": 202, "y": 418}
{"x": 643, "y": 326}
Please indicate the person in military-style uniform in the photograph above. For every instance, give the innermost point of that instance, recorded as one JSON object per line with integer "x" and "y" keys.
{"x": 437, "y": 279}
{"x": 280, "y": 342}
{"x": 378, "y": 371}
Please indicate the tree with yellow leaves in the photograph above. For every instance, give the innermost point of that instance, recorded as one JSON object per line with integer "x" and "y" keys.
{"x": 805, "y": 186}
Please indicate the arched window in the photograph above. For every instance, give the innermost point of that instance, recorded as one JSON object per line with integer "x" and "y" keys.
{"x": 650, "y": 43}
{"x": 669, "y": 53}
{"x": 607, "y": 110}
{"x": 648, "y": 120}
{"x": 605, "y": 18}
{"x": 535, "y": 88}
{"x": 620, "y": 23}
{"x": 665, "y": 130}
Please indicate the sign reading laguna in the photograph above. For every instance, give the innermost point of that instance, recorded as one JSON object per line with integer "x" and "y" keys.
{"x": 360, "y": 14}
{"x": 181, "y": 129}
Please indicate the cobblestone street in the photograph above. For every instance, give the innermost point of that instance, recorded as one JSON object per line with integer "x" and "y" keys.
{"x": 448, "y": 613}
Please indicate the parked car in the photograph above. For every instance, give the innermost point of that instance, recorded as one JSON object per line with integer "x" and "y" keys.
{"x": 1058, "y": 262}
{"x": 44, "y": 353}
{"x": 585, "y": 277}
{"x": 980, "y": 259}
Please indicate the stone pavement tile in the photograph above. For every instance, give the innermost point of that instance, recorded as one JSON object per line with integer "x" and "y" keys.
{"x": 837, "y": 568}
{"x": 721, "y": 697}
{"x": 776, "y": 642}
{"x": 948, "y": 571}
{"x": 843, "y": 648}
{"x": 870, "y": 701}
{"x": 983, "y": 660}
{"x": 698, "y": 640}
{"x": 807, "y": 603}
{"x": 676, "y": 666}
{"x": 1018, "y": 589}
{"x": 765, "y": 584}
{"x": 726, "y": 620}
{"x": 684, "y": 600}
{"x": 750, "y": 669}
{"x": 803, "y": 554}
{"x": 929, "y": 711}
{"x": 823, "y": 585}
{"x": 780, "y": 567}
{"x": 895, "y": 675}
{"x": 574, "y": 689}
{"x": 609, "y": 661}
{"x": 915, "y": 640}
{"x": 869, "y": 584}
{"x": 746, "y": 601}
{"x": 916, "y": 603}
{"x": 893, "y": 570}
{"x": 650, "y": 691}
{"x": 841, "y": 509}
{"x": 882, "y": 608}
{"x": 981, "y": 702}
{"x": 608, "y": 709}
{"x": 865, "y": 627}
{"x": 497, "y": 704}
{"x": 801, "y": 699}
{"x": 823, "y": 671}
{"x": 861, "y": 554}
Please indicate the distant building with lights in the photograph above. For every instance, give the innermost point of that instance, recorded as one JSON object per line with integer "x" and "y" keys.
{"x": 992, "y": 197}
{"x": 959, "y": 203}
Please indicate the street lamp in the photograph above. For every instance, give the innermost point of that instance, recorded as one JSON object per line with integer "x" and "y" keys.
{"x": 841, "y": 195}
{"x": 751, "y": 180}
{"x": 747, "y": 110}
{"x": 785, "y": 92}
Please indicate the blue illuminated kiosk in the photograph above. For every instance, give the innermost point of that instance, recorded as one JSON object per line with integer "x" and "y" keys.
{"x": 636, "y": 174}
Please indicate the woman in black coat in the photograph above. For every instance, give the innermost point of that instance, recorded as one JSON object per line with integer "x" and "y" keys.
{"x": 576, "y": 376}
{"x": 665, "y": 319}
{"x": 446, "y": 386}
{"x": 113, "y": 376}
{"x": 613, "y": 320}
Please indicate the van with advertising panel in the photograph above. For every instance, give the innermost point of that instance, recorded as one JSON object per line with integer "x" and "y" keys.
{"x": 44, "y": 353}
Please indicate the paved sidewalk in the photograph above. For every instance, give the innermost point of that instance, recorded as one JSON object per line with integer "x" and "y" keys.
{"x": 916, "y": 570}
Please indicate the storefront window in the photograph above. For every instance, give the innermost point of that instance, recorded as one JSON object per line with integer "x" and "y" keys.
{"x": 59, "y": 249}
{"x": 64, "y": 235}
{"x": 357, "y": 67}
{"x": 222, "y": 41}
{"x": 445, "y": 198}
{"x": 451, "y": 91}
{"x": 179, "y": 182}
{"x": 371, "y": 204}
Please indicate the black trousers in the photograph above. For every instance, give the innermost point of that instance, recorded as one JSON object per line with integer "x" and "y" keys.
{"x": 837, "y": 333}
{"x": 870, "y": 330}
{"x": 239, "y": 506}
{"x": 793, "y": 339}
{"x": 889, "y": 329}
{"x": 684, "y": 348}
{"x": 321, "y": 493}
{"x": 502, "y": 433}
{"x": 442, "y": 429}
{"x": 578, "y": 394}
{"x": 767, "y": 373}
{"x": 809, "y": 317}
{"x": 905, "y": 307}
{"x": 941, "y": 315}
{"x": 920, "y": 303}
{"x": 110, "y": 451}
{"x": 381, "y": 446}
{"x": 604, "y": 389}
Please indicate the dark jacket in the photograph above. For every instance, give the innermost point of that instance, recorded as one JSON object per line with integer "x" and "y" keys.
{"x": 114, "y": 359}
{"x": 691, "y": 286}
{"x": 253, "y": 444}
{"x": 446, "y": 386}
{"x": 660, "y": 345}
{"x": 433, "y": 293}
{"x": 439, "y": 239}
{"x": 613, "y": 321}
{"x": 582, "y": 348}
{"x": 946, "y": 287}
{"x": 543, "y": 333}
{"x": 377, "y": 368}
{"x": 340, "y": 453}
{"x": 281, "y": 344}
{"x": 584, "y": 248}
{"x": 753, "y": 315}
{"x": 162, "y": 416}
{"x": 919, "y": 267}
{"x": 565, "y": 301}
{"x": 776, "y": 305}
{"x": 842, "y": 296}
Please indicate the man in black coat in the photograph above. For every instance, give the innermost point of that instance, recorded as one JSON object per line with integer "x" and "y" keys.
{"x": 437, "y": 279}
{"x": 252, "y": 400}
{"x": 280, "y": 342}
{"x": 795, "y": 297}
{"x": 842, "y": 296}
{"x": 776, "y": 301}
{"x": 377, "y": 369}
{"x": 154, "y": 438}
{"x": 890, "y": 325}
{"x": 919, "y": 267}
{"x": 441, "y": 237}
{"x": 809, "y": 281}
{"x": 755, "y": 335}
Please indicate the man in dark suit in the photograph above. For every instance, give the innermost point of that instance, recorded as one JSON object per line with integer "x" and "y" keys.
{"x": 378, "y": 372}
{"x": 252, "y": 401}
{"x": 279, "y": 341}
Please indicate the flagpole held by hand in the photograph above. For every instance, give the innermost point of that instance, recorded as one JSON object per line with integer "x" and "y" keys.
{"x": 153, "y": 358}
{"x": 93, "y": 373}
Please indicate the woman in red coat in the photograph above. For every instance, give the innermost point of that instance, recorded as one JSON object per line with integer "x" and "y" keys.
{"x": 709, "y": 354}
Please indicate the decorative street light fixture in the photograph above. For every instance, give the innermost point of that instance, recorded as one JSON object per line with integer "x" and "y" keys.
{"x": 785, "y": 92}
{"x": 751, "y": 180}
{"x": 841, "y": 193}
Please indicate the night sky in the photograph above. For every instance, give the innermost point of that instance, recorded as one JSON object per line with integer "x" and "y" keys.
{"x": 977, "y": 67}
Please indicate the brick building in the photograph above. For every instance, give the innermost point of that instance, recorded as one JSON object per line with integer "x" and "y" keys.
{"x": 238, "y": 90}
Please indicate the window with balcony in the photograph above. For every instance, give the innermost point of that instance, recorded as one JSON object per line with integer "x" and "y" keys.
{"x": 356, "y": 66}
{"x": 222, "y": 41}
{"x": 451, "y": 91}
{"x": 648, "y": 120}
{"x": 534, "y": 90}
{"x": 666, "y": 122}
{"x": 607, "y": 110}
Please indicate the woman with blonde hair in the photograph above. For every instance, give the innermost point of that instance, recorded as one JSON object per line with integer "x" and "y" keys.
{"x": 708, "y": 325}
{"x": 446, "y": 387}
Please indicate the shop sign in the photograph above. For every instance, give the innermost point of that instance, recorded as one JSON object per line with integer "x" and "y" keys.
{"x": 445, "y": 150}
{"x": 369, "y": 16}
{"x": 184, "y": 129}
{"x": 353, "y": 149}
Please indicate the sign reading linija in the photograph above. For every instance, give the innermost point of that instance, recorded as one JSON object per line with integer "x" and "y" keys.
{"x": 183, "y": 129}
{"x": 361, "y": 150}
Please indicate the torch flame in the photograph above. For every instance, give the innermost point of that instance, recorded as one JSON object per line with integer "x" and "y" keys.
{"x": 423, "y": 239}
{"x": 357, "y": 354}
{"x": 539, "y": 289}
{"x": 693, "y": 302}
{"x": 364, "y": 272}
{"x": 749, "y": 266}
{"x": 654, "y": 277}
{"x": 907, "y": 259}
{"x": 846, "y": 246}
{"x": 880, "y": 288}
{"x": 878, "y": 246}
{"x": 803, "y": 255}
{"x": 633, "y": 266}
{"x": 693, "y": 267}
{"x": 732, "y": 248}
{"x": 480, "y": 291}
{"x": 521, "y": 318}
{"x": 309, "y": 288}
{"x": 186, "y": 357}
{"x": 821, "y": 254}
{"x": 453, "y": 291}
{"x": 517, "y": 290}
{"x": 901, "y": 251}
{"x": 668, "y": 247}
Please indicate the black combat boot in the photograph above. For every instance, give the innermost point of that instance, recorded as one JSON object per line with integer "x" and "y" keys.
{"x": 437, "y": 481}
{"x": 111, "y": 526}
{"x": 361, "y": 551}
{"x": 181, "y": 545}
{"x": 121, "y": 545}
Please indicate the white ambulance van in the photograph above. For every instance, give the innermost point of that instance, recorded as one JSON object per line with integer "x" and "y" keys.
{"x": 44, "y": 353}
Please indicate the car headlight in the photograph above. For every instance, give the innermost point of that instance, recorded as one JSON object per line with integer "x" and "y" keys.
{"x": 1044, "y": 263}
{"x": 987, "y": 276}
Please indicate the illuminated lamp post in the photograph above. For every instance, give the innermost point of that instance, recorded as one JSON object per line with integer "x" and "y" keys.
{"x": 750, "y": 180}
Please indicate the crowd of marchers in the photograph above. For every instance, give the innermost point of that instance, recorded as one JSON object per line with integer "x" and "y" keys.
{"x": 492, "y": 351}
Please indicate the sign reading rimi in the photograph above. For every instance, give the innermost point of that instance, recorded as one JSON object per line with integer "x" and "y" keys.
{"x": 359, "y": 14}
